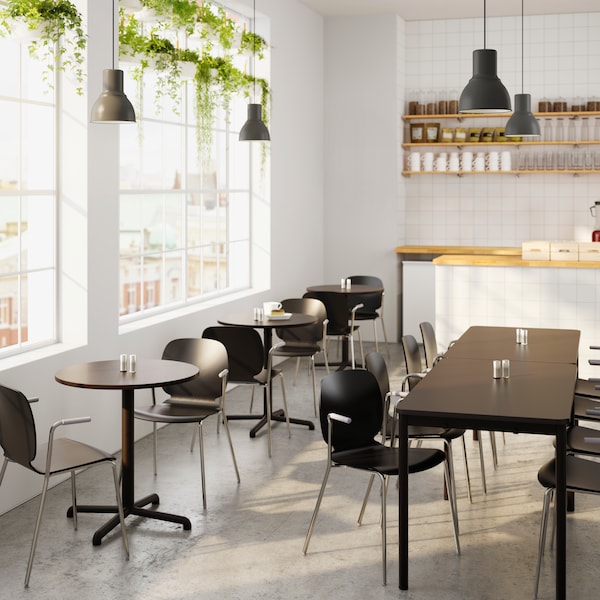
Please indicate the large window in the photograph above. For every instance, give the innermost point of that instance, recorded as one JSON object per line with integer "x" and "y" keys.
{"x": 27, "y": 201}
{"x": 185, "y": 209}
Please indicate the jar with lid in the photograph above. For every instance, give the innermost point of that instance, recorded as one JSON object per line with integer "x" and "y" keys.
{"x": 559, "y": 133}
{"x": 548, "y": 130}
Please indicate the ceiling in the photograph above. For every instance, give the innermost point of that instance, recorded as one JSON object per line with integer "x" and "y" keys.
{"x": 416, "y": 10}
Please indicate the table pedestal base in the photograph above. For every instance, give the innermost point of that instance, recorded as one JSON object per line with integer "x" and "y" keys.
{"x": 136, "y": 509}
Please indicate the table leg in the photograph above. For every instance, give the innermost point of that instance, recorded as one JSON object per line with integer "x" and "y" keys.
{"x": 130, "y": 506}
{"x": 561, "y": 513}
{"x": 403, "y": 501}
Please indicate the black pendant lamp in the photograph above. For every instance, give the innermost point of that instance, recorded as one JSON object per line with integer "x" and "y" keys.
{"x": 484, "y": 93}
{"x": 522, "y": 124}
{"x": 112, "y": 106}
{"x": 254, "y": 129}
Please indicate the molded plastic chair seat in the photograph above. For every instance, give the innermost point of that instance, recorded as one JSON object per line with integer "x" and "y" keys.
{"x": 352, "y": 413}
{"x": 583, "y": 476}
{"x": 18, "y": 439}
{"x": 195, "y": 400}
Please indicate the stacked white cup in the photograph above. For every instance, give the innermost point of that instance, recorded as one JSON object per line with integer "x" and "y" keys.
{"x": 505, "y": 161}
{"x": 453, "y": 162}
{"x": 466, "y": 161}
{"x": 414, "y": 161}
{"x": 479, "y": 161}
{"x": 493, "y": 161}
{"x": 441, "y": 162}
{"x": 428, "y": 161}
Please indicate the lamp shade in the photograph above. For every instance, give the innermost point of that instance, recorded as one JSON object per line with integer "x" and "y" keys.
{"x": 254, "y": 129}
{"x": 112, "y": 106}
{"x": 484, "y": 93}
{"x": 522, "y": 123}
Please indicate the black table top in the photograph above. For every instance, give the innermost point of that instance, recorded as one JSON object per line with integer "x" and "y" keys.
{"x": 247, "y": 320}
{"x": 105, "y": 374}
{"x": 544, "y": 345}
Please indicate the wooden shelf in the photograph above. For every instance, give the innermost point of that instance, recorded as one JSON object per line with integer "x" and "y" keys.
{"x": 463, "y": 116}
{"x": 524, "y": 172}
{"x": 513, "y": 144}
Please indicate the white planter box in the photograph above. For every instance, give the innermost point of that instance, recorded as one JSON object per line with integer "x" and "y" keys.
{"x": 535, "y": 250}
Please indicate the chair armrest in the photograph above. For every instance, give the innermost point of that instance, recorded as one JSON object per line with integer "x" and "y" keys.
{"x": 591, "y": 440}
{"x": 339, "y": 418}
{"x": 32, "y": 400}
{"x": 408, "y": 376}
{"x": 53, "y": 428}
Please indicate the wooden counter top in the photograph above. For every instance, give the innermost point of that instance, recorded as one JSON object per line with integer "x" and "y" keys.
{"x": 484, "y": 260}
{"x": 467, "y": 250}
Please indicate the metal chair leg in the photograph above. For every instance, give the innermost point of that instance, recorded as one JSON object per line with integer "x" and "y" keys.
{"x": 154, "y": 445}
{"x": 481, "y": 462}
{"x": 227, "y": 430}
{"x": 314, "y": 382}
{"x": 543, "y": 528}
{"x": 201, "y": 450}
{"x": 464, "y": 445}
{"x": 313, "y": 519}
{"x": 74, "y": 500}
{"x": 36, "y": 531}
{"x": 365, "y": 500}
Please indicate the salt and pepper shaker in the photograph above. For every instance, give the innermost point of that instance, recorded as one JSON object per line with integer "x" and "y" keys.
{"x": 496, "y": 369}
{"x": 505, "y": 368}
{"x": 132, "y": 363}
{"x": 522, "y": 336}
{"x": 123, "y": 363}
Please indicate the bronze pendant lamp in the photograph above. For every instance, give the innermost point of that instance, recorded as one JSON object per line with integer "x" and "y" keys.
{"x": 522, "y": 124}
{"x": 254, "y": 129}
{"x": 112, "y": 106}
{"x": 484, "y": 93}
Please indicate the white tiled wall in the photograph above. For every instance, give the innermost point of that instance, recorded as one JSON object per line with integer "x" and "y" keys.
{"x": 520, "y": 297}
{"x": 562, "y": 60}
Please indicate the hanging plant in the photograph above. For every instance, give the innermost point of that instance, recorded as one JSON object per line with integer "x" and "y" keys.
{"x": 180, "y": 14}
{"x": 60, "y": 42}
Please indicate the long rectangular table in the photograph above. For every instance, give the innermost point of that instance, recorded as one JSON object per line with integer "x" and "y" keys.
{"x": 461, "y": 392}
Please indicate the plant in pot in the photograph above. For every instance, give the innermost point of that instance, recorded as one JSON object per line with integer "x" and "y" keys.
{"x": 179, "y": 14}
{"x": 60, "y": 41}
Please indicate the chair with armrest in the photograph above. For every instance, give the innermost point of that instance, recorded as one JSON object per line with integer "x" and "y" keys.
{"x": 372, "y": 306}
{"x": 306, "y": 341}
{"x": 59, "y": 456}
{"x": 351, "y": 415}
{"x": 341, "y": 322}
{"x": 195, "y": 400}
{"x": 246, "y": 356}
{"x": 375, "y": 364}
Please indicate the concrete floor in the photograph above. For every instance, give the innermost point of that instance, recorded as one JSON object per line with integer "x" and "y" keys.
{"x": 248, "y": 543}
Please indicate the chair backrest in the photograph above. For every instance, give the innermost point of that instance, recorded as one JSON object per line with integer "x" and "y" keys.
{"x": 210, "y": 356}
{"x": 355, "y": 394}
{"x": 17, "y": 427}
{"x": 412, "y": 358}
{"x": 337, "y": 311}
{"x": 245, "y": 351}
{"x": 429, "y": 343}
{"x": 371, "y": 302}
{"x": 375, "y": 364}
{"x": 308, "y": 334}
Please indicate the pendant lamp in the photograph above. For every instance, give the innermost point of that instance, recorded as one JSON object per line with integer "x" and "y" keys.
{"x": 112, "y": 106}
{"x": 522, "y": 123}
{"x": 254, "y": 128}
{"x": 484, "y": 93}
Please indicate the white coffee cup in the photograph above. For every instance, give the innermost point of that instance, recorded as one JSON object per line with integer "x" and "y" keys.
{"x": 493, "y": 161}
{"x": 441, "y": 162}
{"x": 414, "y": 161}
{"x": 479, "y": 161}
{"x": 428, "y": 161}
{"x": 505, "y": 161}
{"x": 269, "y": 307}
{"x": 466, "y": 160}
{"x": 453, "y": 162}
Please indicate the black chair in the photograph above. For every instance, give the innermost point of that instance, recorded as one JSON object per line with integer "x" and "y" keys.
{"x": 412, "y": 356}
{"x": 58, "y": 456}
{"x": 583, "y": 476}
{"x": 195, "y": 400}
{"x": 375, "y": 364}
{"x": 246, "y": 356}
{"x": 372, "y": 306}
{"x": 341, "y": 322}
{"x": 351, "y": 415}
{"x": 430, "y": 345}
{"x": 304, "y": 342}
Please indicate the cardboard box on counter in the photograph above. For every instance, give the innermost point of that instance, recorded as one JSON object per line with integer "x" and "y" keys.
{"x": 564, "y": 251}
{"x": 589, "y": 251}
{"x": 535, "y": 250}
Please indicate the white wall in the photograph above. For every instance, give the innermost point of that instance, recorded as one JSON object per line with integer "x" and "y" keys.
{"x": 89, "y": 236}
{"x": 362, "y": 151}
{"x": 562, "y": 58}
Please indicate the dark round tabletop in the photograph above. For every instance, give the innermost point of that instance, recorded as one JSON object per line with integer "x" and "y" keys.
{"x": 105, "y": 374}
{"x": 338, "y": 289}
{"x": 247, "y": 320}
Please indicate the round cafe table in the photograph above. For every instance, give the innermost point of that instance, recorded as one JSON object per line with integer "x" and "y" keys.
{"x": 267, "y": 325}
{"x": 105, "y": 375}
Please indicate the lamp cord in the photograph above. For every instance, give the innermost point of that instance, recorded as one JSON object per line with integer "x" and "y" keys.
{"x": 484, "y": 19}
{"x": 112, "y": 35}
{"x": 522, "y": 45}
{"x": 254, "y": 47}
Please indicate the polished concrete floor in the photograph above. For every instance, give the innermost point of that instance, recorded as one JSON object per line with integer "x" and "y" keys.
{"x": 248, "y": 543}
